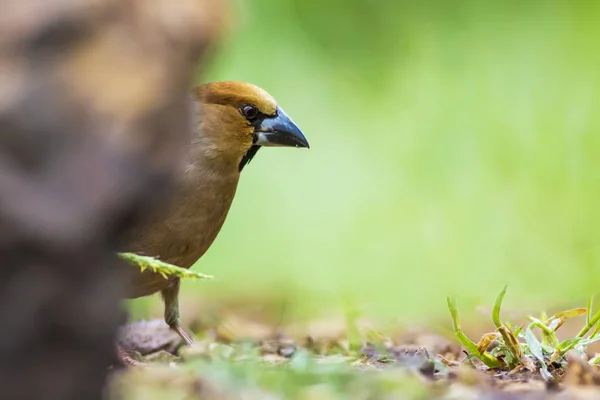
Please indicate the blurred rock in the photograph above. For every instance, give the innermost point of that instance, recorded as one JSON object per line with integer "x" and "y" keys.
{"x": 150, "y": 337}
{"x": 94, "y": 125}
{"x": 580, "y": 372}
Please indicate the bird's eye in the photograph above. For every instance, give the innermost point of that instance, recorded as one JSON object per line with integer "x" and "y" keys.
{"x": 250, "y": 112}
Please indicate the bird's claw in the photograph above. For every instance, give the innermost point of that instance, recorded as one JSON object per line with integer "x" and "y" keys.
{"x": 183, "y": 335}
{"x": 126, "y": 359}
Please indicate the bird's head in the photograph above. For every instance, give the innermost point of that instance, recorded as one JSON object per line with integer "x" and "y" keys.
{"x": 237, "y": 118}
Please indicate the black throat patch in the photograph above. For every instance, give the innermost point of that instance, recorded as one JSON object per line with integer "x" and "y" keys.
{"x": 248, "y": 156}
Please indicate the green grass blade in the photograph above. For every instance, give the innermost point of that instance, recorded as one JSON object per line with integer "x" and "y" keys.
{"x": 595, "y": 331}
{"x": 497, "y": 306}
{"x": 588, "y": 314}
{"x": 548, "y": 333}
{"x": 470, "y": 345}
{"x": 564, "y": 347}
{"x": 485, "y": 357}
{"x": 590, "y": 323}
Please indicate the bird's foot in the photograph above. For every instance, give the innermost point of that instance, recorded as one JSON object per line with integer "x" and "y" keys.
{"x": 183, "y": 335}
{"x": 126, "y": 359}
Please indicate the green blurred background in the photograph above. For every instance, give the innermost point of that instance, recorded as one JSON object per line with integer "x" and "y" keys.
{"x": 454, "y": 149}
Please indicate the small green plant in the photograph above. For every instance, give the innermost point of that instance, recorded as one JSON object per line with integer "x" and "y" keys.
{"x": 517, "y": 348}
{"x": 161, "y": 267}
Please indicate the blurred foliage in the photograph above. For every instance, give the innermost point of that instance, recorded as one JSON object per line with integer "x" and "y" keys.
{"x": 454, "y": 149}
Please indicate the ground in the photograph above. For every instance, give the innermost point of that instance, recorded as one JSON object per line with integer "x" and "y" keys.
{"x": 236, "y": 358}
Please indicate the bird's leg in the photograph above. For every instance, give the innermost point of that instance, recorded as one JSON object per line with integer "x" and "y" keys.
{"x": 126, "y": 359}
{"x": 170, "y": 296}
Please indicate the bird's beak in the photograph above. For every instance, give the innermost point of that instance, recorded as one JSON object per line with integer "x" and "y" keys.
{"x": 279, "y": 130}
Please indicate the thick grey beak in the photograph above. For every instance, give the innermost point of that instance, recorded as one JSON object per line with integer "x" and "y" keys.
{"x": 279, "y": 131}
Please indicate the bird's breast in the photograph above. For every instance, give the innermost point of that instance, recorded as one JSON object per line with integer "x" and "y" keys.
{"x": 182, "y": 232}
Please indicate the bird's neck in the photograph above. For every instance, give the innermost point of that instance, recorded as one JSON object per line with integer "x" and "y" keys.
{"x": 210, "y": 170}
{"x": 208, "y": 154}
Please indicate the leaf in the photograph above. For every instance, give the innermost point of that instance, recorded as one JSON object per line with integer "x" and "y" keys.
{"x": 161, "y": 267}
{"x": 511, "y": 342}
{"x": 518, "y": 331}
{"x": 562, "y": 316}
{"x": 535, "y": 347}
{"x": 497, "y": 305}
{"x": 486, "y": 340}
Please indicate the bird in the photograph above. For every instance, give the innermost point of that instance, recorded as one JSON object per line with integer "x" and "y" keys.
{"x": 232, "y": 120}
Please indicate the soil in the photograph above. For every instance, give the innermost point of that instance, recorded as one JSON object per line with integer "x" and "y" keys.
{"x": 432, "y": 366}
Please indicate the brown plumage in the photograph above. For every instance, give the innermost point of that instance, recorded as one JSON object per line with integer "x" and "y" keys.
{"x": 233, "y": 119}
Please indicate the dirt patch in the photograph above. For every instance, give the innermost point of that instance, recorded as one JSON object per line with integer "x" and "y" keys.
{"x": 413, "y": 365}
